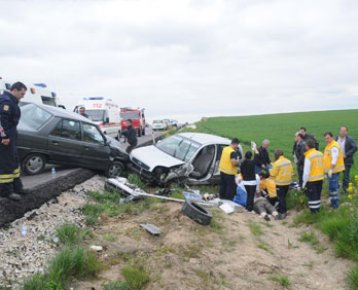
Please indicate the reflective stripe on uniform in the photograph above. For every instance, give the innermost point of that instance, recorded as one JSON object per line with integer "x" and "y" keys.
{"x": 334, "y": 195}
{"x": 317, "y": 177}
{"x": 338, "y": 169}
{"x": 314, "y": 204}
{"x": 283, "y": 182}
{"x": 7, "y": 178}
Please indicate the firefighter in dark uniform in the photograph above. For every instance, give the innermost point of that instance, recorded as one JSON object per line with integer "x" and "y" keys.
{"x": 10, "y": 183}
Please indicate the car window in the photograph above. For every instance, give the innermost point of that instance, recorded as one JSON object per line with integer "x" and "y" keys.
{"x": 193, "y": 148}
{"x": 179, "y": 147}
{"x": 92, "y": 134}
{"x": 129, "y": 115}
{"x": 96, "y": 115}
{"x": 170, "y": 145}
{"x": 33, "y": 116}
{"x": 69, "y": 129}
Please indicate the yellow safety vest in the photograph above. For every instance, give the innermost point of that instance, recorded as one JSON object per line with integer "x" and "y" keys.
{"x": 269, "y": 185}
{"x": 327, "y": 158}
{"x": 316, "y": 170}
{"x": 225, "y": 164}
{"x": 282, "y": 171}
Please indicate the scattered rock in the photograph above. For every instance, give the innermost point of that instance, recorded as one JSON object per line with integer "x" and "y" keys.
{"x": 21, "y": 257}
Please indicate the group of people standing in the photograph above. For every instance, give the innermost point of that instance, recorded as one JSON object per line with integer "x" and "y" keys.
{"x": 259, "y": 177}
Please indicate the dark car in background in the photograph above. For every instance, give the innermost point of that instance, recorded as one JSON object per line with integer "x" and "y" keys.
{"x": 51, "y": 135}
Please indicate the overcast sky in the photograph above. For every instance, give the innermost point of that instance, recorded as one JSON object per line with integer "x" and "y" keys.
{"x": 187, "y": 59}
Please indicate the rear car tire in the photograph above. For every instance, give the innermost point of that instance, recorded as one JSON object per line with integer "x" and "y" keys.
{"x": 140, "y": 132}
{"x": 197, "y": 213}
{"x": 115, "y": 169}
{"x": 143, "y": 132}
{"x": 34, "y": 163}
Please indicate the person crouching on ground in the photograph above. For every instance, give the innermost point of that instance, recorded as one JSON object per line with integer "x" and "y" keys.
{"x": 268, "y": 187}
{"x": 281, "y": 172}
{"x": 228, "y": 170}
{"x": 249, "y": 179}
{"x": 263, "y": 207}
{"x": 313, "y": 174}
{"x": 333, "y": 164}
{"x": 131, "y": 136}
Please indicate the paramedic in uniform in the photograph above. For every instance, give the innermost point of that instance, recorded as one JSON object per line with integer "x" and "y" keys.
{"x": 228, "y": 170}
{"x": 333, "y": 164}
{"x": 10, "y": 183}
{"x": 313, "y": 175}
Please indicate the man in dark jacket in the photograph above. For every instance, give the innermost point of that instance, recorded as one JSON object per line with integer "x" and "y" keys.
{"x": 349, "y": 148}
{"x": 131, "y": 136}
{"x": 305, "y": 136}
{"x": 262, "y": 158}
{"x": 10, "y": 183}
{"x": 299, "y": 156}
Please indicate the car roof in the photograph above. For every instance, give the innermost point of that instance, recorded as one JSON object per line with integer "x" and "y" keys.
{"x": 62, "y": 113}
{"x": 204, "y": 138}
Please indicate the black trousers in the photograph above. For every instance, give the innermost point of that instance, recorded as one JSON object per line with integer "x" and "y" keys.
{"x": 227, "y": 186}
{"x": 9, "y": 169}
{"x": 300, "y": 174}
{"x": 272, "y": 200}
{"x": 281, "y": 194}
{"x": 314, "y": 190}
{"x": 251, "y": 190}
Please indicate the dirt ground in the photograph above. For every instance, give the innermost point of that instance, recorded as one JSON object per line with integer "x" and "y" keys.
{"x": 226, "y": 255}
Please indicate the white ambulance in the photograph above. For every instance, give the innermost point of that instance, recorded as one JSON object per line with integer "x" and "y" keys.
{"x": 104, "y": 112}
{"x": 37, "y": 93}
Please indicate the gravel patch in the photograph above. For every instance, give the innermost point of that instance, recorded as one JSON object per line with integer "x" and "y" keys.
{"x": 23, "y": 255}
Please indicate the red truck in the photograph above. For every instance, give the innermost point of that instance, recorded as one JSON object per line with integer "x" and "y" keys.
{"x": 138, "y": 119}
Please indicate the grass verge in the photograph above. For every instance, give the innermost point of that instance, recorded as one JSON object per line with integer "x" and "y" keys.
{"x": 69, "y": 263}
{"x": 70, "y": 234}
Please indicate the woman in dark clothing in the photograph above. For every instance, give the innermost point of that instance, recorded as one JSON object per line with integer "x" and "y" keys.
{"x": 249, "y": 179}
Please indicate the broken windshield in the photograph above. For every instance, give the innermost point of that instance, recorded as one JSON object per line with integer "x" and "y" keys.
{"x": 179, "y": 147}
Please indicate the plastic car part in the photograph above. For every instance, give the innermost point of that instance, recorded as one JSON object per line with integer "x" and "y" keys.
{"x": 197, "y": 213}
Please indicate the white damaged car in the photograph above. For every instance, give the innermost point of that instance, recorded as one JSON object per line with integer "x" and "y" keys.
{"x": 190, "y": 157}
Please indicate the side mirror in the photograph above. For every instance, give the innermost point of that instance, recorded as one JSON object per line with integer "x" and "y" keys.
{"x": 107, "y": 120}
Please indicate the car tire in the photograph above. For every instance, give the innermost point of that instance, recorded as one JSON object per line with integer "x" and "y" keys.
{"x": 34, "y": 163}
{"x": 140, "y": 132}
{"x": 143, "y": 132}
{"x": 115, "y": 169}
{"x": 197, "y": 213}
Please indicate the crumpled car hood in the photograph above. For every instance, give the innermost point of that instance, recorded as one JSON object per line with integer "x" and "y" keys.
{"x": 153, "y": 157}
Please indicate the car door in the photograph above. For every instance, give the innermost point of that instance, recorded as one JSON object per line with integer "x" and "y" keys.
{"x": 65, "y": 143}
{"x": 95, "y": 151}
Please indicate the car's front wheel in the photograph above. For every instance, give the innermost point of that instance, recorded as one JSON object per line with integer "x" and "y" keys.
{"x": 34, "y": 163}
{"x": 115, "y": 169}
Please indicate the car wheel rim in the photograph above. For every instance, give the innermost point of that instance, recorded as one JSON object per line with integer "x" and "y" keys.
{"x": 115, "y": 170}
{"x": 34, "y": 164}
